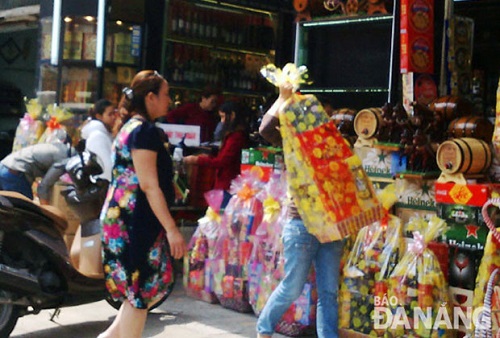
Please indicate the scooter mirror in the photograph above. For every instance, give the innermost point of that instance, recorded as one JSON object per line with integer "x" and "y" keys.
{"x": 80, "y": 147}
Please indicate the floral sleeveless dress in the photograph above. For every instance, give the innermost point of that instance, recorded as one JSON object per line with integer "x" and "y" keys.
{"x": 135, "y": 250}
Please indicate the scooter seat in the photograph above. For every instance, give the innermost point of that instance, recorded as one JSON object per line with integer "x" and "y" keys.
{"x": 48, "y": 210}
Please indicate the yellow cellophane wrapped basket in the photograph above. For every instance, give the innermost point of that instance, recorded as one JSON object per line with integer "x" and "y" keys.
{"x": 333, "y": 194}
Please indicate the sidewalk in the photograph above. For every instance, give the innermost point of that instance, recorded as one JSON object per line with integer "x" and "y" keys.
{"x": 179, "y": 317}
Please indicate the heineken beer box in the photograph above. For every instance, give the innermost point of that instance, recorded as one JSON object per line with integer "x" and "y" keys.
{"x": 380, "y": 163}
{"x": 466, "y": 226}
{"x": 262, "y": 161}
{"x": 469, "y": 194}
{"x": 415, "y": 193}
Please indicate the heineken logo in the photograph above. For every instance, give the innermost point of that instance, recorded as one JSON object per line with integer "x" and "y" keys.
{"x": 420, "y": 202}
{"x": 376, "y": 170}
{"x": 472, "y": 230}
{"x": 459, "y": 216}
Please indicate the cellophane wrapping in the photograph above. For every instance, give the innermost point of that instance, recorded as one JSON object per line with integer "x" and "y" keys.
{"x": 376, "y": 252}
{"x": 30, "y": 126}
{"x": 267, "y": 263}
{"x": 489, "y": 262}
{"x": 198, "y": 263}
{"x": 240, "y": 219}
{"x": 417, "y": 285}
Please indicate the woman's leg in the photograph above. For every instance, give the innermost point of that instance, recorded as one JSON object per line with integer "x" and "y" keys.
{"x": 128, "y": 323}
{"x": 327, "y": 264}
{"x": 299, "y": 250}
{"x": 112, "y": 330}
{"x": 132, "y": 321}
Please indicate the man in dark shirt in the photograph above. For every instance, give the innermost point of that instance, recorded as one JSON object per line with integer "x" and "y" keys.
{"x": 198, "y": 114}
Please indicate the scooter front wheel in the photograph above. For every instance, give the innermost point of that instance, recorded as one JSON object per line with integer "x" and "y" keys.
{"x": 117, "y": 303}
{"x": 9, "y": 314}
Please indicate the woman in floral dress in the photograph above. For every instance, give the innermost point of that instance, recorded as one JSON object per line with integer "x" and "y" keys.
{"x": 138, "y": 232}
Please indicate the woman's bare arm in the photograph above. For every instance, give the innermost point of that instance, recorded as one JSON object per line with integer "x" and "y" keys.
{"x": 145, "y": 166}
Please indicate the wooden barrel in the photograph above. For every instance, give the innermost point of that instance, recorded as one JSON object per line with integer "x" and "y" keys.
{"x": 471, "y": 126}
{"x": 367, "y": 122}
{"x": 450, "y": 107}
{"x": 463, "y": 155}
{"x": 344, "y": 120}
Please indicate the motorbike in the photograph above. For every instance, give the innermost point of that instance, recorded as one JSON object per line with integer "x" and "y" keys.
{"x": 37, "y": 269}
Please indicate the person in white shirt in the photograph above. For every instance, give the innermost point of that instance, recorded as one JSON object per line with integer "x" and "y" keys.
{"x": 97, "y": 133}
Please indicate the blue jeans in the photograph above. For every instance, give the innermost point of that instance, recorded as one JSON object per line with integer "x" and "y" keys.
{"x": 301, "y": 249}
{"x": 14, "y": 182}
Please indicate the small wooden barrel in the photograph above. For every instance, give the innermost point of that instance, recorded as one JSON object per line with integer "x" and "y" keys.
{"x": 344, "y": 120}
{"x": 367, "y": 122}
{"x": 450, "y": 107}
{"x": 471, "y": 126}
{"x": 463, "y": 156}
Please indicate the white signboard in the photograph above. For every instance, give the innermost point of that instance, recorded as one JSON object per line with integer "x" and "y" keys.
{"x": 176, "y": 132}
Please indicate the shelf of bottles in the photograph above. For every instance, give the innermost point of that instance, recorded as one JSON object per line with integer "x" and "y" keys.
{"x": 219, "y": 47}
{"x": 122, "y": 57}
{"x": 79, "y": 75}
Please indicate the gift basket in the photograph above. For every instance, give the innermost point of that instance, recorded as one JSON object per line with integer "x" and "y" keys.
{"x": 417, "y": 293}
{"x": 376, "y": 251}
{"x": 487, "y": 290}
{"x": 30, "y": 126}
{"x": 199, "y": 261}
{"x": 265, "y": 269}
{"x": 57, "y": 119}
{"x": 332, "y": 192}
{"x": 240, "y": 219}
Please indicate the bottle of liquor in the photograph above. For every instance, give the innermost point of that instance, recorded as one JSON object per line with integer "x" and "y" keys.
{"x": 174, "y": 19}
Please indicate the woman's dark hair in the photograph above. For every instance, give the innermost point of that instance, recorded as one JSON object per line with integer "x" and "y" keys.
{"x": 144, "y": 82}
{"x": 99, "y": 108}
{"x": 209, "y": 91}
{"x": 240, "y": 121}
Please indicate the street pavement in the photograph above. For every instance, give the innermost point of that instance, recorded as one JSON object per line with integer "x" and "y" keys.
{"x": 180, "y": 317}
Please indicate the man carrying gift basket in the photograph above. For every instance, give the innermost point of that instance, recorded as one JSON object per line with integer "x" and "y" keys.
{"x": 330, "y": 198}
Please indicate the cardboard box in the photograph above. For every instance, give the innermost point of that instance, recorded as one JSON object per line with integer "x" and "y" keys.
{"x": 464, "y": 266}
{"x": 470, "y": 194}
{"x": 421, "y": 88}
{"x": 460, "y": 214}
{"x": 262, "y": 161}
{"x": 415, "y": 193}
{"x": 380, "y": 163}
{"x": 469, "y": 236}
{"x": 417, "y": 36}
{"x": 407, "y": 214}
{"x": 263, "y": 157}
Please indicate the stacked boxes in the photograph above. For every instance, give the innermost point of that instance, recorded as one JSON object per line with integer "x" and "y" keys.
{"x": 417, "y": 52}
{"x": 417, "y": 36}
{"x": 415, "y": 198}
{"x": 460, "y": 206}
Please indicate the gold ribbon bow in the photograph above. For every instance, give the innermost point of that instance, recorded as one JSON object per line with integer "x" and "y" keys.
{"x": 271, "y": 208}
{"x": 290, "y": 73}
{"x": 246, "y": 192}
{"x": 211, "y": 216}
